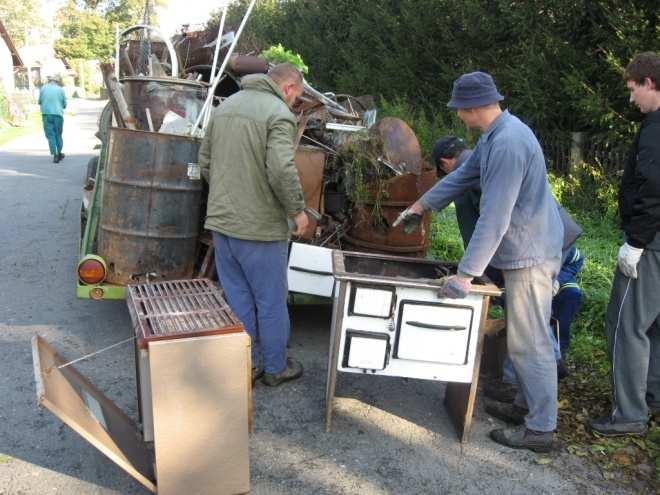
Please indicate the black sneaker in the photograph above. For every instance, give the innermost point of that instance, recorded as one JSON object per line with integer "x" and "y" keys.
{"x": 56, "y": 158}
{"x": 60, "y": 157}
{"x": 292, "y": 371}
{"x": 501, "y": 391}
{"x": 257, "y": 372}
{"x": 520, "y": 437}
{"x": 605, "y": 427}
{"x": 507, "y": 412}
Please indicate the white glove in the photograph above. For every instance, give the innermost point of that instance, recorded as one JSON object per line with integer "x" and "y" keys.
{"x": 628, "y": 258}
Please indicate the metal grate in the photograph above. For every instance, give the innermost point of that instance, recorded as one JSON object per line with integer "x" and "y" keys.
{"x": 179, "y": 308}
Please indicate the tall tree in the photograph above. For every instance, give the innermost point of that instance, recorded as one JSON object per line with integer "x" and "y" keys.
{"x": 21, "y": 16}
{"x": 85, "y": 34}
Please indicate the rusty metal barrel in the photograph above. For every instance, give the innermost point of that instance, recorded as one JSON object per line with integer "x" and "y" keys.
{"x": 371, "y": 220}
{"x": 150, "y": 213}
{"x": 374, "y": 234}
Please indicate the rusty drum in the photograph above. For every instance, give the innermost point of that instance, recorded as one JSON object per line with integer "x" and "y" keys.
{"x": 150, "y": 218}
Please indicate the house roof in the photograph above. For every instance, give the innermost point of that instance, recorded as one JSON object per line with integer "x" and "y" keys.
{"x": 16, "y": 58}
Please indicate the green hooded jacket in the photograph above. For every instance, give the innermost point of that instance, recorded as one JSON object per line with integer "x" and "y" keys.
{"x": 246, "y": 157}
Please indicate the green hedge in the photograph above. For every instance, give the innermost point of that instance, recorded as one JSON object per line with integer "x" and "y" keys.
{"x": 558, "y": 62}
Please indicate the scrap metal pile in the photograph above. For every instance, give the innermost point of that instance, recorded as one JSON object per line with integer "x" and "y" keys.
{"x": 358, "y": 173}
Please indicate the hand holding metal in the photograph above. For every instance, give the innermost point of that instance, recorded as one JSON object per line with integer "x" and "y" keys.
{"x": 410, "y": 220}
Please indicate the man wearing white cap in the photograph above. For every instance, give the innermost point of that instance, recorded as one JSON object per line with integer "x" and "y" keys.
{"x": 520, "y": 232}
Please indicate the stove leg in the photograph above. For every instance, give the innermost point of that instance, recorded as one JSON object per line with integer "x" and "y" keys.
{"x": 461, "y": 397}
{"x": 335, "y": 336}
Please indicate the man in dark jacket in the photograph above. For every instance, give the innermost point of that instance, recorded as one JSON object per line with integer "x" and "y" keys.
{"x": 632, "y": 322}
{"x": 247, "y": 157}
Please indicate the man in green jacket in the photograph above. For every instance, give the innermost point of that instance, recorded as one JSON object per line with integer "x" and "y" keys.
{"x": 52, "y": 103}
{"x": 247, "y": 159}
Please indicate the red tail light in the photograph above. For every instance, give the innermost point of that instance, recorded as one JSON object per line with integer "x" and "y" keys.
{"x": 91, "y": 270}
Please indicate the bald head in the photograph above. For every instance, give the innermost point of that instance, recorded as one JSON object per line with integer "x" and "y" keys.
{"x": 290, "y": 81}
{"x": 283, "y": 73}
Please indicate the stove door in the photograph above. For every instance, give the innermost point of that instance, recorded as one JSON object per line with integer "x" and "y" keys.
{"x": 366, "y": 350}
{"x": 310, "y": 270}
{"x": 433, "y": 332}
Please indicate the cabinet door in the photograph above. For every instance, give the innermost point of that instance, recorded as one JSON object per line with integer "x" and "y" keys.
{"x": 434, "y": 332}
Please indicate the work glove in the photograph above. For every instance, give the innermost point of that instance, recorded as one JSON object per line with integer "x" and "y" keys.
{"x": 628, "y": 258}
{"x": 410, "y": 220}
{"x": 456, "y": 286}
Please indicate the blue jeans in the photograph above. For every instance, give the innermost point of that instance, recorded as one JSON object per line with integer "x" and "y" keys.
{"x": 253, "y": 276}
{"x": 53, "y": 125}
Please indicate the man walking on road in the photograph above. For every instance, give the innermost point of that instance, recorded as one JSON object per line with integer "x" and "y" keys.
{"x": 52, "y": 102}
{"x": 247, "y": 158}
{"x": 632, "y": 321}
{"x": 520, "y": 232}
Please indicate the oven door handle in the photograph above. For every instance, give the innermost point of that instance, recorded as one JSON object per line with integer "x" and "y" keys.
{"x": 309, "y": 270}
{"x": 430, "y": 326}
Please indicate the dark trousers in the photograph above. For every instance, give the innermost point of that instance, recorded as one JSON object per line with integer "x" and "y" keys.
{"x": 53, "y": 125}
{"x": 565, "y": 306}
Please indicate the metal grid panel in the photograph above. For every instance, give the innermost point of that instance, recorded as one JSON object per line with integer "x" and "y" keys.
{"x": 178, "y": 308}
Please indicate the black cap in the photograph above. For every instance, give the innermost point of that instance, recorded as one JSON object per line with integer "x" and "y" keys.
{"x": 447, "y": 147}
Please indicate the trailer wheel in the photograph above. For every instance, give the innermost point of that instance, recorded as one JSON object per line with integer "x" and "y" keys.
{"x": 105, "y": 121}
{"x": 90, "y": 177}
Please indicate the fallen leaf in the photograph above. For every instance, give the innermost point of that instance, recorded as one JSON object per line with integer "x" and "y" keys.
{"x": 622, "y": 459}
{"x": 543, "y": 460}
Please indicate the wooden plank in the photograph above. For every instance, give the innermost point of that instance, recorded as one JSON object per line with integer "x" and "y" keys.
{"x": 74, "y": 400}
{"x": 461, "y": 397}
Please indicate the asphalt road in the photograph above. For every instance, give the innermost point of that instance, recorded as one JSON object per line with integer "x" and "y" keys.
{"x": 390, "y": 436}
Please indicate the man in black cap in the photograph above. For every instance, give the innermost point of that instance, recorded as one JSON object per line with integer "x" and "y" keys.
{"x": 520, "y": 232}
{"x": 448, "y": 154}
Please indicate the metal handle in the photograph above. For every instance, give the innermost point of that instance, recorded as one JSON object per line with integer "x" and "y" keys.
{"x": 307, "y": 270}
{"x": 430, "y": 326}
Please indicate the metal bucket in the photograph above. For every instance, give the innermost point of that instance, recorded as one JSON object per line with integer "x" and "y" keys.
{"x": 161, "y": 96}
{"x": 150, "y": 213}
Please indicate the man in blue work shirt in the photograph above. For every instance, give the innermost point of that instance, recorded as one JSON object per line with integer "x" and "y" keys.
{"x": 52, "y": 102}
{"x": 520, "y": 232}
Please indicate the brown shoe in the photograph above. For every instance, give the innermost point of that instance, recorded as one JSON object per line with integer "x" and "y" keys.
{"x": 519, "y": 437}
{"x": 292, "y": 371}
{"x": 507, "y": 412}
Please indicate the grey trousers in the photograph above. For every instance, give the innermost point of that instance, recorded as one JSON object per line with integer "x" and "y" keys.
{"x": 632, "y": 325}
{"x": 530, "y": 347}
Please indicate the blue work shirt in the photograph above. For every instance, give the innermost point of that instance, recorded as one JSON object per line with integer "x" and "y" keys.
{"x": 519, "y": 224}
{"x": 52, "y": 99}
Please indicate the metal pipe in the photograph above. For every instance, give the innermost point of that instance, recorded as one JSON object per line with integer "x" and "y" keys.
{"x": 209, "y": 98}
{"x": 216, "y": 53}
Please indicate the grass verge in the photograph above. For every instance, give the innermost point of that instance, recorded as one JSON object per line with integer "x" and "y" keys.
{"x": 9, "y": 132}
